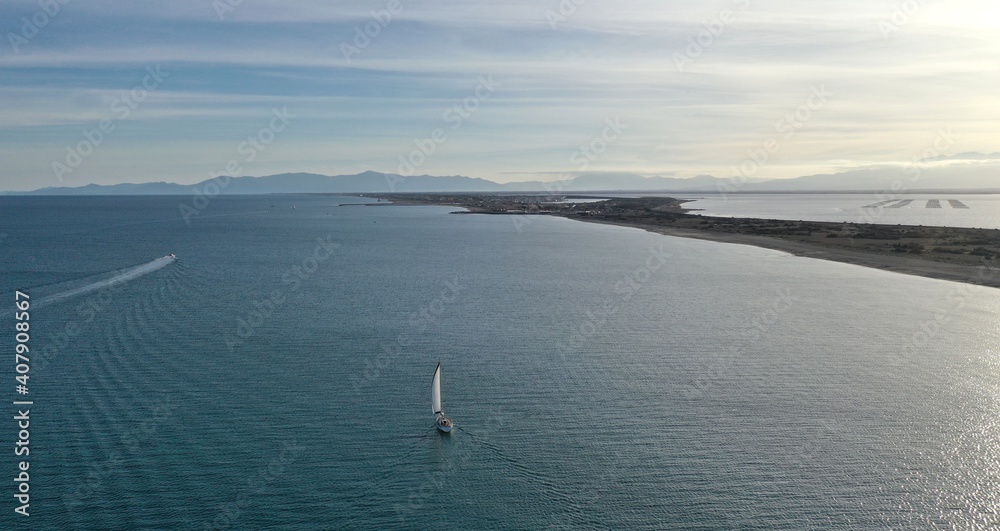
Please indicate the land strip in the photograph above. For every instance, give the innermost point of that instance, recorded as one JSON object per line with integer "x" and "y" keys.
{"x": 949, "y": 253}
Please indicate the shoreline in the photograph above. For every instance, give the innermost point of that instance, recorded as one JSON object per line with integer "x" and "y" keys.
{"x": 968, "y": 274}
{"x": 954, "y": 254}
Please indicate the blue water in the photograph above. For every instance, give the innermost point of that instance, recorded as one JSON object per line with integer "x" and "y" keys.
{"x": 600, "y": 377}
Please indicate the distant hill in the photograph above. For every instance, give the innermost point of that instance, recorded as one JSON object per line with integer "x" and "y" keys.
{"x": 952, "y": 177}
{"x": 367, "y": 182}
{"x": 973, "y": 172}
{"x": 375, "y": 182}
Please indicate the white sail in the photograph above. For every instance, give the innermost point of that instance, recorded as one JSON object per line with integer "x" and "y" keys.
{"x": 436, "y": 390}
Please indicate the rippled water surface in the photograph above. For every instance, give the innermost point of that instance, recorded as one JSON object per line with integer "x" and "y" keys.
{"x": 276, "y": 375}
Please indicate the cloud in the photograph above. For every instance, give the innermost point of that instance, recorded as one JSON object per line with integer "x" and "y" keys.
{"x": 559, "y": 83}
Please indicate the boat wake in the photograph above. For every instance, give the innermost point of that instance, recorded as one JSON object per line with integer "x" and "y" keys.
{"x": 96, "y": 282}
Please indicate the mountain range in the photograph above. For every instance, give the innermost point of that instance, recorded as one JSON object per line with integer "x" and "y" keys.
{"x": 980, "y": 173}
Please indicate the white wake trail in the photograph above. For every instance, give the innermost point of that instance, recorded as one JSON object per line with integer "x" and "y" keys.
{"x": 118, "y": 277}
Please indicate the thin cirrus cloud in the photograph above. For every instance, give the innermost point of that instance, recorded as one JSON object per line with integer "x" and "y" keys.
{"x": 561, "y": 70}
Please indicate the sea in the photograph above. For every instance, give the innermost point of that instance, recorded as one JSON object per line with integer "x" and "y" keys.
{"x": 276, "y": 374}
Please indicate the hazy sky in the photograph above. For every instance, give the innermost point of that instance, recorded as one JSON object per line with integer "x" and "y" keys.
{"x": 651, "y": 87}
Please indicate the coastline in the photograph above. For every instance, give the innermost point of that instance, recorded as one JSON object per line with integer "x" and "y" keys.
{"x": 968, "y": 274}
{"x": 954, "y": 254}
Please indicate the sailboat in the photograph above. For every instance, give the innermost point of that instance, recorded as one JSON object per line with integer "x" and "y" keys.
{"x": 442, "y": 422}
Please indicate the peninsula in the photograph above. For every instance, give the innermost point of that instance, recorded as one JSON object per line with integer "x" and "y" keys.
{"x": 949, "y": 253}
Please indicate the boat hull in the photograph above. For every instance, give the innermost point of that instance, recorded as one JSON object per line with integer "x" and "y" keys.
{"x": 444, "y": 424}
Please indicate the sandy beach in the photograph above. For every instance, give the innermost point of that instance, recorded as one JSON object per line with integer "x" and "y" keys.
{"x": 956, "y": 254}
{"x": 985, "y": 274}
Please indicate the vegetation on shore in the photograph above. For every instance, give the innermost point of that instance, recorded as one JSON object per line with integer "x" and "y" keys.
{"x": 955, "y": 245}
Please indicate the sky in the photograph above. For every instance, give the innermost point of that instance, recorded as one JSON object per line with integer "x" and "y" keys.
{"x": 106, "y": 92}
